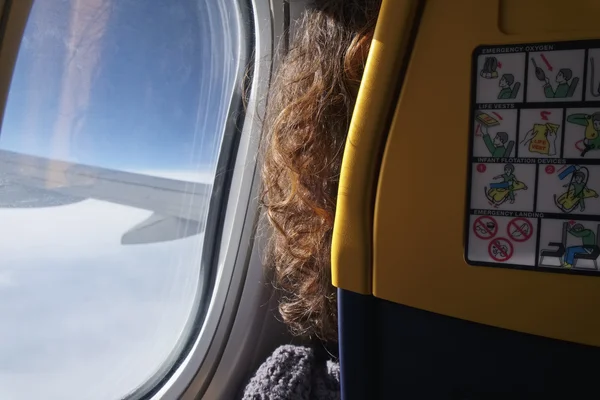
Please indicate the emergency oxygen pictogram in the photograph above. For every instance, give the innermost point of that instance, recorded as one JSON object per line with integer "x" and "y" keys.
{"x": 534, "y": 176}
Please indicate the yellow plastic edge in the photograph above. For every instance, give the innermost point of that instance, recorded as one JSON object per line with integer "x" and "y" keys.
{"x": 546, "y": 304}
{"x": 351, "y": 253}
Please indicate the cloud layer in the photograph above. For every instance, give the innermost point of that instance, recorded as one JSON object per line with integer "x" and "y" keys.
{"x": 82, "y": 316}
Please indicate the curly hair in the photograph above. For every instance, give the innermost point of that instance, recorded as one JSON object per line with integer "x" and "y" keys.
{"x": 307, "y": 119}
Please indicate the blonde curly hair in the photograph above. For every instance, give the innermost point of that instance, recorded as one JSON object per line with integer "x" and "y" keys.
{"x": 307, "y": 119}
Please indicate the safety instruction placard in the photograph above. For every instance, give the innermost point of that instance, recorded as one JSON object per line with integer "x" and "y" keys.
{"x": 534, "y": 167}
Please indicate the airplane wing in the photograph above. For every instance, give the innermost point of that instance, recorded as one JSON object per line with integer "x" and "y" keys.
{"x": 178, "y": 207}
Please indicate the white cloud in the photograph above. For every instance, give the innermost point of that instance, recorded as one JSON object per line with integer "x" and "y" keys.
{"x": 190, "y": 176}
{"x": 6, "y": 279}
{"x": 82, "y": 316}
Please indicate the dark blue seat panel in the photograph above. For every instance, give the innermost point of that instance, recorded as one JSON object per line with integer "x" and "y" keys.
{"x": 391, "y": 351}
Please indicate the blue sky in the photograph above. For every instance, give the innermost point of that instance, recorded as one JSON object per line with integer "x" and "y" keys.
{"x": 134, "y": 85}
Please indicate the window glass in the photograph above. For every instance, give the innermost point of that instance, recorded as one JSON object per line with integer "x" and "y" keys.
{"x": 108, "y": 151}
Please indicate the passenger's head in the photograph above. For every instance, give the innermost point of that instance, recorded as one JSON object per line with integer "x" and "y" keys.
{"x": 509, "y": 168}
{"x": 578, "y": 227}
{"x": 596, "y": 120}
{"x": 500, "y": 139}
{"x": 307, "y": 119}
{"x": 507, "y": 80}
{"x": 579, "y": 176}
{"x": 564, "y": 75}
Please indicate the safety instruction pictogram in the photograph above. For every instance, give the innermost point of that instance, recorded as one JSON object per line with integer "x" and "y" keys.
{"x": 501, "y": 250}
{"x": 520, "y": 229}
{"x": 534, "y": 181}
{"x": 485, "y": 227}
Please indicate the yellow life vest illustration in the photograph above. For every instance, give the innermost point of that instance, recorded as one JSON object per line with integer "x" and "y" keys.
{"x": 540, "y": 143}
{"x": 568, "y": 199}
{"x": 590, "y": 132}
{"x": 498, "y": 194}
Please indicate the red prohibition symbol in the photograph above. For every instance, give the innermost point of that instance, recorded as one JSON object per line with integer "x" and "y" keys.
{"x": 519, "y": 229}
{"x": 500, "y": 249}
{"x": 485, "y": 227}
{"x": 481, "y": 168}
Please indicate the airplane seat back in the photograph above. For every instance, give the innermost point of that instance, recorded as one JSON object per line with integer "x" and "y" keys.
{"x": 488, "y": 115}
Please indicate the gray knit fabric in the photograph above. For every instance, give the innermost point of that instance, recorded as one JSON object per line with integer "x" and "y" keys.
{"x": 295, "y": 373}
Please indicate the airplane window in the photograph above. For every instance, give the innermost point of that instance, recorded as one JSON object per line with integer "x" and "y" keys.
{"x": 108, "y": 152}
